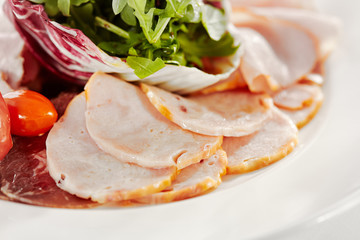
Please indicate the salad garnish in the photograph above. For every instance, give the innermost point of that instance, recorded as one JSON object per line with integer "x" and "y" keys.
{"x": 148, "y": 34}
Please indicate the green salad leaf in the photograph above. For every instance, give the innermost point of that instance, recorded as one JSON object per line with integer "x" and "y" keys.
{"x": 144, "y": 67}
{"x": 118, "y": 6}
{"x": 148, "y": 34}
{"x": 214, "y": 22}
{"x": 64, "y": 7}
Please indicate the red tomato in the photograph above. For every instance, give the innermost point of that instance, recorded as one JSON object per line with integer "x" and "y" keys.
{"x": 5, "y": 136}
{"x": 31, "y": 113}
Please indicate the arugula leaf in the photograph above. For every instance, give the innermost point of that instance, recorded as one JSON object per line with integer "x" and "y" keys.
{"x": 64, "y": 7}
{"x": 118, "y": 6}
{"x": 78, "y": 2}
{"x": 114, "y": 48}
{"x": 177, "y": 8}
{"x": 144, "y": 67}
{"x": 37, "y": 1}
{"x": 193, "y": 12}
{"x": 203, "y": 47}
{"x": 127, "y": 15}
{"x": 214, "y": 22}
{"x": 160, "y": 27}
{"x": 132, "y": 51}
{"x": 111, "y": 27}
{"x": 145, "y": 19}
{"x": 51, "y": 7}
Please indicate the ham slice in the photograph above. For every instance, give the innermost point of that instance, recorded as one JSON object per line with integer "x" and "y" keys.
{"x": 193, "y": 180}
{"x": 79, "y": 167}
{"x": 274, "y": 141}
{"x": 297, "y": 96}
{"x": 275, "y": 3}
{"x": 235, "y": 81}
{"x": 272, "y": 49}
{"x": 303, "y": 115}
{"x": 231, "y": 113}
{"x": 326, "y": 28}
{"x": 124, "y": 123}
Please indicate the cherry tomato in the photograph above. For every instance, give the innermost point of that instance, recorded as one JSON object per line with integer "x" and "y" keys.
{"x": 5, "y": 136}
{"x": 31, "y": 114}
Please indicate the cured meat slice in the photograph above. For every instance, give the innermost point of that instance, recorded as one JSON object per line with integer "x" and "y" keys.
{"x": 274, "y": 141}
{"x": 230, "y": 113}
{"x": 81, "y": 168}
{"x": 304, "y": 115}
{"x": 3, "y": 196}
{"x": 272, "y": 49}
{"x": 297, "y": 96}
{"x": 275, "y": 3}
{"x": 193, "y": 180}
{"x": 25, "y": 178}
{"x": 62, "y": 101}
{"x": 125, "y": 124}
{"x": 326, "y": 28}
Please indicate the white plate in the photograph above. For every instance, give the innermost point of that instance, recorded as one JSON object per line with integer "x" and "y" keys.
{"x": 318, "y": 180}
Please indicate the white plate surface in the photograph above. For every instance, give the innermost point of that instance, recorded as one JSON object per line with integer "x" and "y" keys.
{"x": 316, "y": 182}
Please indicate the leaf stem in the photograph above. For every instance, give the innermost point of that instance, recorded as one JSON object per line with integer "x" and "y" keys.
{"x": 111, "y": 27}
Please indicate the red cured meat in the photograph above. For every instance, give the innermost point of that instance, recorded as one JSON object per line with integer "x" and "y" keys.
{"x": 3, "y": 196}
{"x": 24, "y": 177}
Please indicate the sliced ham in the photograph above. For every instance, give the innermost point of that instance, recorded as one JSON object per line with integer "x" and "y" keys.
{"x": 274, "y": 3}
{"x": 274, "y": 141}
{"x": 304, "y": 115}
{"x": 81, "y": 168}
{"x": 230, "y": 113}
{"x": 235, "y": 81}
{"x": 272, "y": 49}
{"x": 326, "y": 28}
{"x": 24, "y": 177}
{"x": 297, "y": 96}
{"x": 193, "y": 180}
{"x": 125, "y": 124}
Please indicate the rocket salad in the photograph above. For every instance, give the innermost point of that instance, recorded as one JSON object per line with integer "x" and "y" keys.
{"x": 149, "y": 33}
